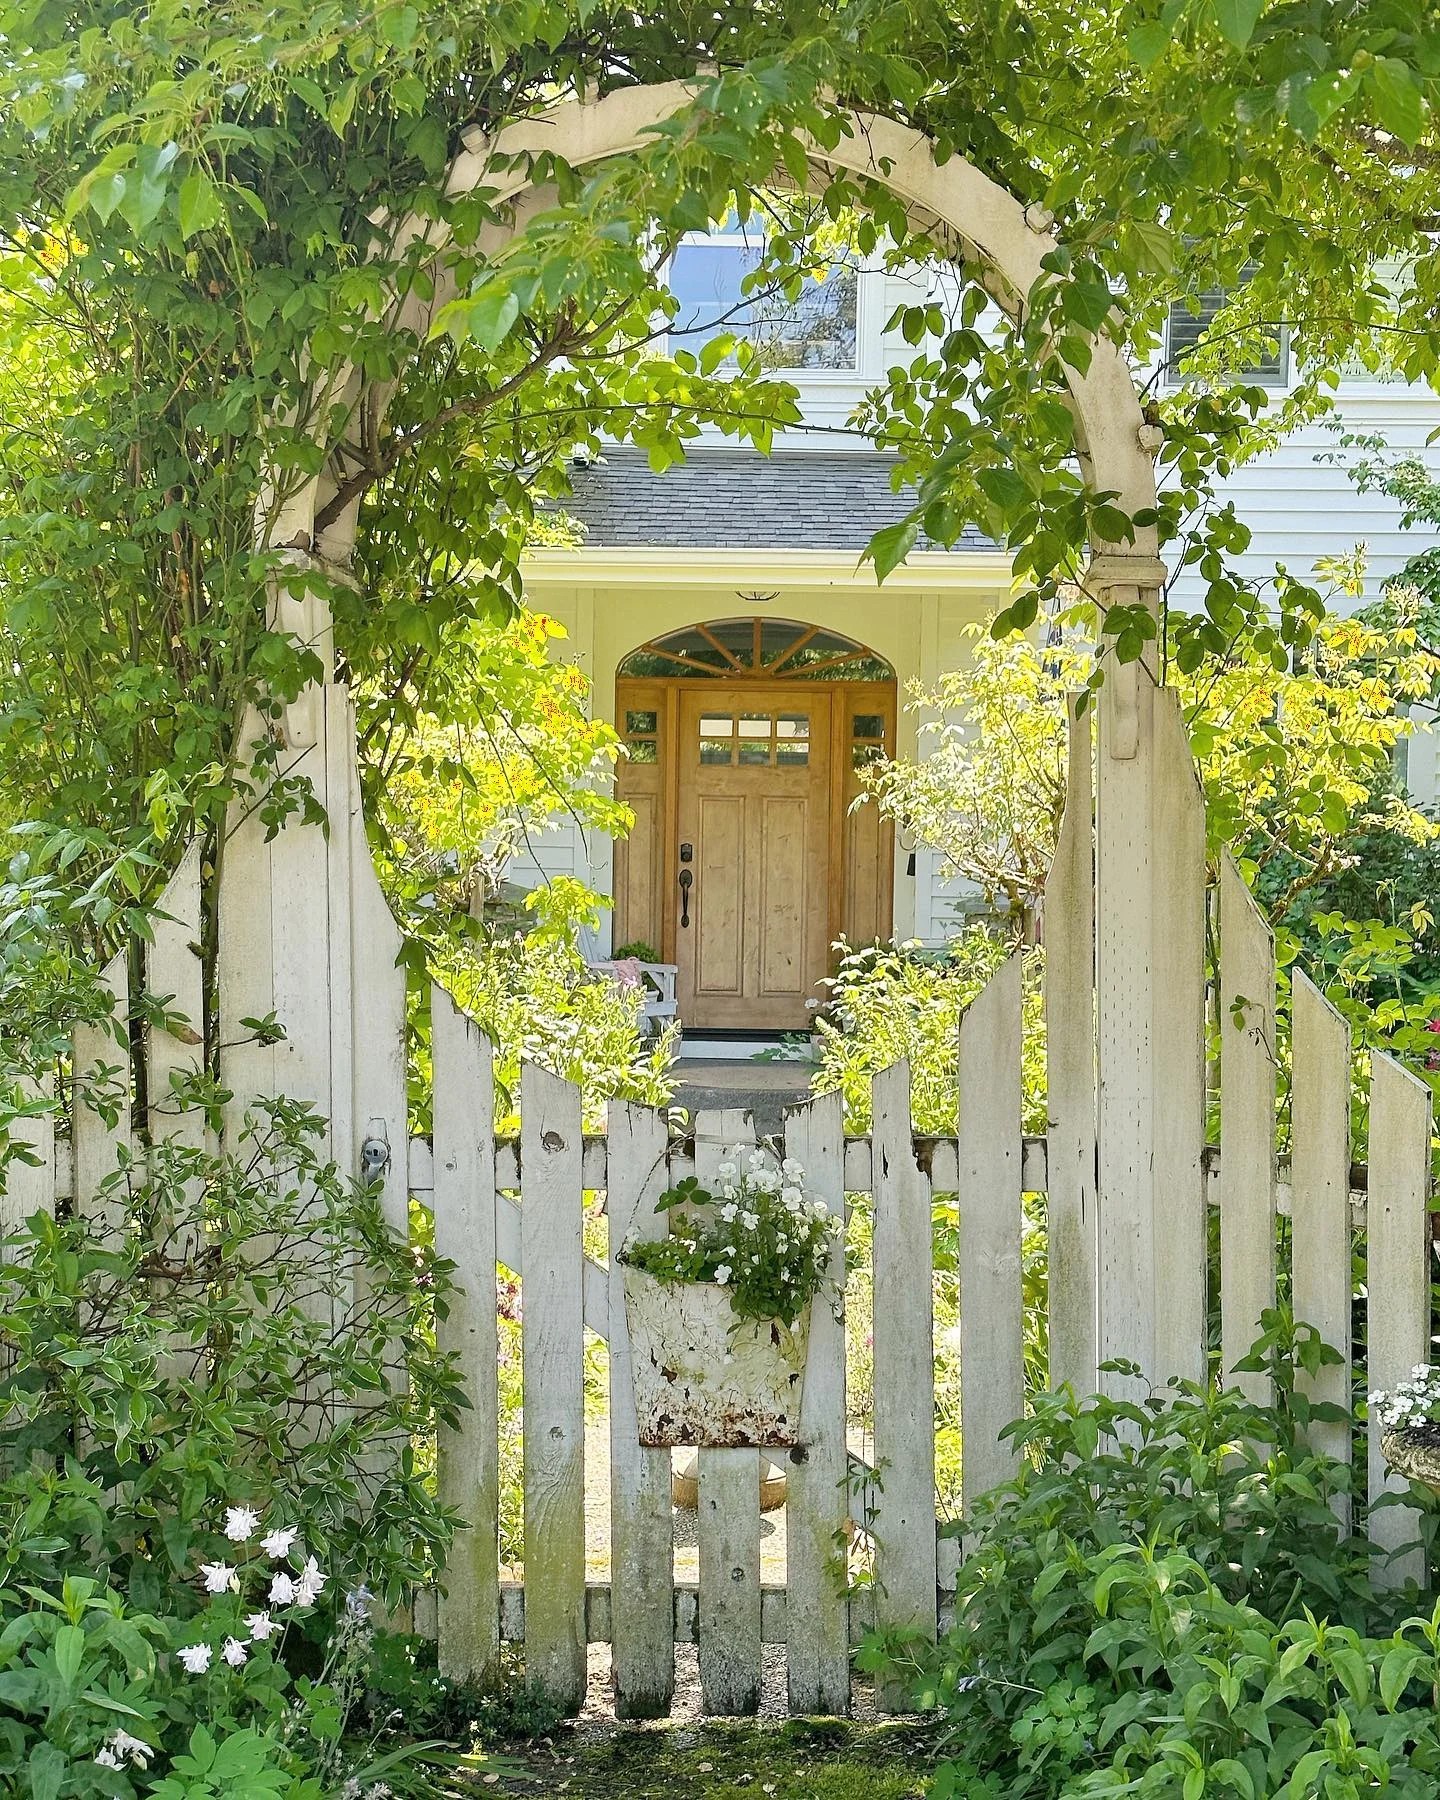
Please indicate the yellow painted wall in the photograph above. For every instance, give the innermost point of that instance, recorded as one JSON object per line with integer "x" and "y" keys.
{"x": 915, "y": 628}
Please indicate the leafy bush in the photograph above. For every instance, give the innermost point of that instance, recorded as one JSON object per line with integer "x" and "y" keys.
{"x": 221, "y": 1336}
{"x": 1143, "y": 1611}
{"x": 889, "y": 1001}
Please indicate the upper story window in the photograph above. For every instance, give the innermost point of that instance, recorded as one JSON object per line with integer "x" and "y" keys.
{"x": 1190, "y": 320}
{"x": 714, "y": 277}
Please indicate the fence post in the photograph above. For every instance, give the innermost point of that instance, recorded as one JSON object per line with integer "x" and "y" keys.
{"x": 1070, "y": 1076}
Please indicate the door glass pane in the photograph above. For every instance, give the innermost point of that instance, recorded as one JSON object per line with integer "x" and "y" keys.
{"x": 753, "y": 753}
{"x": 755, "y": 725}
{"x": 792, "y": 725}
{"x": 641, "y": 724}
{"x": 716, "y": 725}
{"x": 792, "y": 755}
{"x": 716, "y": 750}
{"x": 642, "y": 750}
{"x": 868, "y": 725}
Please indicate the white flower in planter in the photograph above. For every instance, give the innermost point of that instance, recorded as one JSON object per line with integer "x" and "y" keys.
{"x": 722, "y": 1274}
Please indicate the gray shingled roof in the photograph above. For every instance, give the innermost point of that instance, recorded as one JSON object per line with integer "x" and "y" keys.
{"x": 721, "y": 499}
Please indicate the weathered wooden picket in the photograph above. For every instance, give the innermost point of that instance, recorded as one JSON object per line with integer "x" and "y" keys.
{"x": 1128, "y": 1274}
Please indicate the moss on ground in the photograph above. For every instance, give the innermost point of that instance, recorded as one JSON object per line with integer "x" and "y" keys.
{"x": 822, "y": 1759}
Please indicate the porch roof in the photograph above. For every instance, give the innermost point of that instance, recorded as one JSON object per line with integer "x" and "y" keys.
{"x": 720, "y": 499}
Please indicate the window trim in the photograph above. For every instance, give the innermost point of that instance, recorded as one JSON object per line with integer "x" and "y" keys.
{"x": 1173, "y": 374}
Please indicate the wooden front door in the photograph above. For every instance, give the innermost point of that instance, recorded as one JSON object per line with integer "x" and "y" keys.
{"x": 753, "y": 834}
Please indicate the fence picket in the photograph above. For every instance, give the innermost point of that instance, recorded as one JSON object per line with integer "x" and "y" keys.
{"x": 1125, "y": 1006}
{"x": 1397, "y": 1281}
{"x": 102, "y": 1066}
{"x": 1320, "y": 1203}
{"x": 554, "y": 1400}
{"x": 1179, "y": 1032}
{"x": 992, "y": 1356}
{"x": 468, "y": 1627}
{"x": 905, "y": 1558}
{"x": 642, "y": 1556}
{"x": 729, "y": 1512}
{"x": 817, "y": 1507}
{"x": 1070, "y": 1074}
{"x": 1247, "y": 1127}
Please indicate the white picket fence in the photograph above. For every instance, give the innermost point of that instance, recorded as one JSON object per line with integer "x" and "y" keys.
{"x": 1127, "y": 1244}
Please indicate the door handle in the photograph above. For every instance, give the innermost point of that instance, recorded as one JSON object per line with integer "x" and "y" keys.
{"x": 687, "y": 881}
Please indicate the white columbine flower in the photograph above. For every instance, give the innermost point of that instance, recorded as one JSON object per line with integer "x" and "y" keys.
{"x": 722, "y": 1274}
{"x": 235, "y": 1652}
{"x": 196, "y": 1658}
{"x": 240, "y": 1522}
{"x": 311, "y": 1581}
{"x": 139, "y": 1752}
{"x": 276, "y": 1544}
{"x": 107, "y": 1759}
{"x": 218, "y": 1576}
{"x": 261, "y": 1627}
{"x": 282, "y": 1590}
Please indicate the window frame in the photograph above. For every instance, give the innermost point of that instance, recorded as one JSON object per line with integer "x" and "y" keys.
{"x": 868, "y": 322}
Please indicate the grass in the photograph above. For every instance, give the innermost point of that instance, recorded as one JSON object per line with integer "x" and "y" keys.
{"x": 801, "y": 1759}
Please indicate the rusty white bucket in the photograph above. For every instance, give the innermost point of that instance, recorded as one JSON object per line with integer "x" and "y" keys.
{"x": 706, "y": 1378}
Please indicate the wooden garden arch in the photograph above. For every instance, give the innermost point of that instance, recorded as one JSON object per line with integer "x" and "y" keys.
{"x": 301, "y": 913}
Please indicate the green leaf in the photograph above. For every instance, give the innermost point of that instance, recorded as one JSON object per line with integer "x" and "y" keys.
{"x": 1004, "y": 487}
{"x": 49, "y": 1766}
{"x": 1237, "y": 20}
{"x": 1396, "y": 1668}
{"x": 200, "y": 204}
{"x": 69, "y": 1652}
{"x": 1146, "y": 43}
{"x": 1398, "y": 99}
{"x": 488, "y": 319}
{"x": 889, "y": 548}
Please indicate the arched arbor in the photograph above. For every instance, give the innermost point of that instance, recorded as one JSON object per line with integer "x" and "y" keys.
{"x": 301, "y": 914}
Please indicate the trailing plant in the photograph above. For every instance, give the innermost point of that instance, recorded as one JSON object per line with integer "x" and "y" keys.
{"x": 757, "y": 1233}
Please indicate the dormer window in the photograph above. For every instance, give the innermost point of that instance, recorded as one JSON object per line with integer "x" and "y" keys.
{"x": 714, "y": 277}
{"x": 1191, "y": 319}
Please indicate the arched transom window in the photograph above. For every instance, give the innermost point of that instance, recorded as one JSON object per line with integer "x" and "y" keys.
{"x": 758, "y": 648}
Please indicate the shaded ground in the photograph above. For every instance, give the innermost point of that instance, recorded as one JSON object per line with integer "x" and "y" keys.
{"x": 799, "y": 1759}
{"x": 764, "y": 1089}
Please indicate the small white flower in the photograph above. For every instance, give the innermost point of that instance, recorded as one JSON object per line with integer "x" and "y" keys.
{"x": 793, "y": 1168}
{"x": 196, "y": 1658}
{"x": 282, "y": 1590}
{"x": 218, "y": 1576}
{"x": 722, "y": 1274}
{"x": 261, "y": 1626}
{"x": 240, "y": 1522}
{"x": 782, "y": 1242}
{"x": 727, "y": 1213}
{"x": 107, "y": 1759}
{"x": 276, "y": 1544}
{"x": 792, "y": 1196}
{"x": 308, "y": 1587}
{"x": 235, "y": 1653}
{"x": 139, "y": 1752}
{"x": 749, "y": 1220}
{"x": 726, "y": 1172}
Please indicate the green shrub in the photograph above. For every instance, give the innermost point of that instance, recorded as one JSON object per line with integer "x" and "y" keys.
{"x": 1149, "y": 1598}
{"x": 221, "y": 1339}
{"x": 888, "y": 1001}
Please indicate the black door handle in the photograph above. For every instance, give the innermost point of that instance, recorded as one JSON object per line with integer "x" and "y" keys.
{"x": 687, "y": 881}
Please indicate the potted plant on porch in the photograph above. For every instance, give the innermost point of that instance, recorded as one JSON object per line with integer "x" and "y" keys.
{"x": 718, "y": 1310}
{"x": 1409, "y": 1418}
